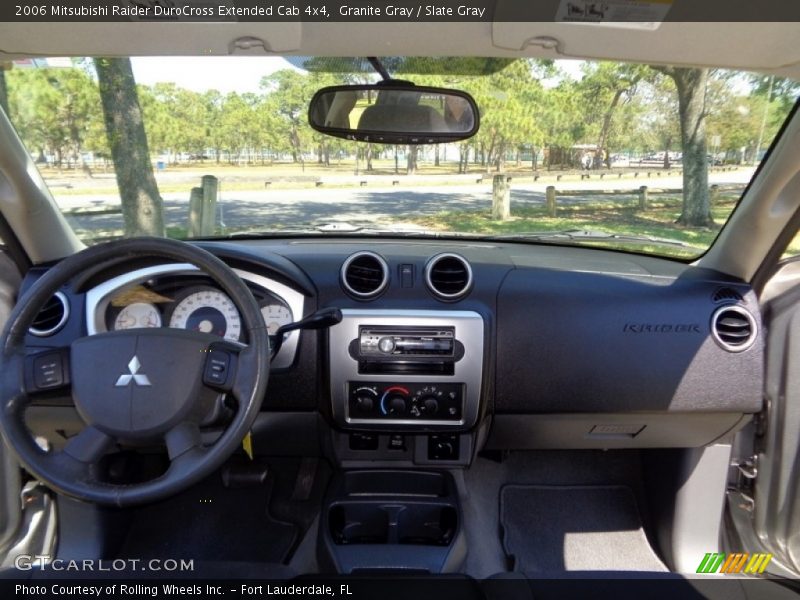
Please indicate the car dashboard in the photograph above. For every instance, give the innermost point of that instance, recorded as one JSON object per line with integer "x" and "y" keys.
{"x": 449, "y": 347}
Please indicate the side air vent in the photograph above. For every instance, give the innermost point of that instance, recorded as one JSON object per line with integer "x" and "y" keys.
{"x": 448, "y": 276}
{"x": 52, "y": 317}
{"x": 733, "y": 328}
{"x": 365, "y": 275}
{"x": 726, "y": 294}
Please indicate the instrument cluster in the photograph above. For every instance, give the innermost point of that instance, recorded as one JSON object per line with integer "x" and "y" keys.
{"x": 196, "y": 307}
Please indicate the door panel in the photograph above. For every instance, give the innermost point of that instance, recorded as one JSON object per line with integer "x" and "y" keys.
{"x": 776, "y": 508}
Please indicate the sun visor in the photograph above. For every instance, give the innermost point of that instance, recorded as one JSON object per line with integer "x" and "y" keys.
{"x": 512, "y": 24}
{"x": 142, "y": 38}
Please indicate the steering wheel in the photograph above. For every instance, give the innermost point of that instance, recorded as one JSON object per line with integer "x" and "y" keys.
{"x": 135, "y": 386}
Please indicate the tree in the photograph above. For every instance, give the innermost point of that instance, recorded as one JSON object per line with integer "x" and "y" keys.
{"x": 174, "y": 119}
{"x": 507, "y": 101}
{"x": 691, "y": 85}
{"x": 54, "y": 109}
{"x": 142, "y": 206}
{"x": 654, "y": 114}
{"x": 777, "y": 89}
{"x": 288, "y": 95}
{"x": 605, "y": 86}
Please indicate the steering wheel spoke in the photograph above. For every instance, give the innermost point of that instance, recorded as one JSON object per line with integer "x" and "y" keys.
{"x": 89, "y": 445}
{"x": 70, "y": 468}
{"x": 184, "y": 437}
{"x": 185, "y": 449}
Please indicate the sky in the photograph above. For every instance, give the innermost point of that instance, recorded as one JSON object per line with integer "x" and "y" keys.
{"x": 225, "y": 74}
{"x": 228, "y": 74}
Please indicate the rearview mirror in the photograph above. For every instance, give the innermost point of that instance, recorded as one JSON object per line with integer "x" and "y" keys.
{"x": 394, "y": 114}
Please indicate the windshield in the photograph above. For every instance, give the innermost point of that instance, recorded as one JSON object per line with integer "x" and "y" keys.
{"x": 569, "y": 152}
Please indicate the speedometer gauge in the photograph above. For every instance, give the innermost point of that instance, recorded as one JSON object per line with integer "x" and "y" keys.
{"x": 208, "y": 311}
{"x": 137, "y": 315}
{"x": 275, "y": 316}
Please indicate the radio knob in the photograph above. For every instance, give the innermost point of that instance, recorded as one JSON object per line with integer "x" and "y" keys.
{"x": 429, "y": 406}
{"x": 396, "y": 405}
{"x": 386, "y": 345}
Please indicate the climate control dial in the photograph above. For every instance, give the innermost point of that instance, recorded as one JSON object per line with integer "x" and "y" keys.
{"x": 428, "y": 405}
{"x": 366, "y": 398}
{"x": 395, "y": 401}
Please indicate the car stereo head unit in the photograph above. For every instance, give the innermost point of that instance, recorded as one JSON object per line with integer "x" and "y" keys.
{"x": 406, "y": 342}
{"x": 406, "y": 349}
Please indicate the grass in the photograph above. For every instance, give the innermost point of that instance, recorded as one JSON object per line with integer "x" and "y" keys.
{"x": 614, "y": 217}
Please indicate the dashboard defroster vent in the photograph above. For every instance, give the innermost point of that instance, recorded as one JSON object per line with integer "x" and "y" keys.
{"x": 733, "y": 328}
{"x": 448, "y": 276}
{"x": 365, "y": 275}
{"x": 52, "y": 316}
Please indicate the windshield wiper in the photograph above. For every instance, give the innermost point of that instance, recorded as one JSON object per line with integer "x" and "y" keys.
{"x": 587, "y": 235}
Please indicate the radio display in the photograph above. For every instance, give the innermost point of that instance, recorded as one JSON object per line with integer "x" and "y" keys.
{"x": 412, "y": 342}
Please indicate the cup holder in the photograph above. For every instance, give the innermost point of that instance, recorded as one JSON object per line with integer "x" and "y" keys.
{"x": 359, "y": 524}
{"x": 385, "y": 519}
{"x": 427, "y": 525}
{"x": 412, "y": 523}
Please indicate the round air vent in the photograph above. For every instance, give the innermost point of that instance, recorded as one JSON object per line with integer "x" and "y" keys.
{"x": 365, "y": 275}
{"x": 733, "y": 328}
{"x": 448, "y": 276}
{"x": 52, "y": 316}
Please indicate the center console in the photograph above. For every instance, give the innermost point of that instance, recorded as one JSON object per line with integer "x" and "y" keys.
{"x": 405, "y": 394}
{"x": 406, "y": 370}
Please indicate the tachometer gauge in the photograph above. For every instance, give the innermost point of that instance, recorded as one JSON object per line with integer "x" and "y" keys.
{"x": 208, "y": 311}
{"x": 137, "y": 315}
{"x": 276, "y": 315}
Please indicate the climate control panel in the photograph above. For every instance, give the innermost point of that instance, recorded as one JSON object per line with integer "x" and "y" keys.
{"x": 416, "y": 402}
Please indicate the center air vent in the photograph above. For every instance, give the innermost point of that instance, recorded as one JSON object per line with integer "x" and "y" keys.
{"x": 365, "y": 275}
{"x": 733, "y": 328}
{"x": 448, "y": 276}
{"x": 52, "y": 316}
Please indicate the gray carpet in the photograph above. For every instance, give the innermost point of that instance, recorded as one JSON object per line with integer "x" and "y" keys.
{"x": 486, "y": 477}
{"x": 547, "y": 529}
{"x": 209, "y": 522}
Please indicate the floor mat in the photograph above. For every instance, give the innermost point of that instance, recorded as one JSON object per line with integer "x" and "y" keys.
{"x": 211, "y": 522}
{"x": 547, "y": 529}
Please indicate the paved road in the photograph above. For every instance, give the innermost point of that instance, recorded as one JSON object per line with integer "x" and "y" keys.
{"x": 270, "y": 209}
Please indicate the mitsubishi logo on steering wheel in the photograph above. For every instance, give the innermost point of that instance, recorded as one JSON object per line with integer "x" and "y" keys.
{"x": 138, "y": 378}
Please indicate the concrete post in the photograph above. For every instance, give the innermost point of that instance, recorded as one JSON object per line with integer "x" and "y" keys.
{"x": 501, "y": 198}
{"x": 550, "y": 196}
{"x": 208, "y": 221}
{"x": 713, "y": 195}
{"x": 203, "y": 208}
{"x": 195, "y": 211}
{"x": 643, "y": 198}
